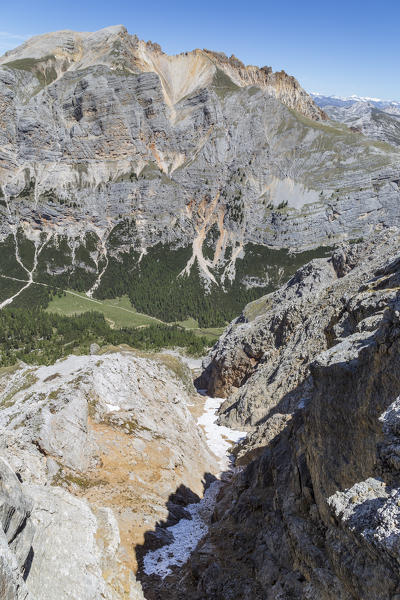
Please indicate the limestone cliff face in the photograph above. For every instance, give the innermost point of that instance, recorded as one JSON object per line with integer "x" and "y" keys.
{"x": 100, "y": 128}
{"x": 53, "y": 54}
{"x": 313, "y": 371}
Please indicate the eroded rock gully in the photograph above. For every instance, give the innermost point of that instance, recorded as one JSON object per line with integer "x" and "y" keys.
{"x": 315, "y": 513}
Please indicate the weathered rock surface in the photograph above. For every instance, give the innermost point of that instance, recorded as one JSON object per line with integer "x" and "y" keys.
{"x": 313, "y": 371}
{"x": 100, "y": 128}
{"x": 16, "y": 534}
{"x": 91, "y": 448}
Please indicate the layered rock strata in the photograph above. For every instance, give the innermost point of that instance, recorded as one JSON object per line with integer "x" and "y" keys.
{"x": 97, "y": 129}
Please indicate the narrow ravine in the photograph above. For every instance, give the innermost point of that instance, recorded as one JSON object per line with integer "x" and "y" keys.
{"x": 103, "y": 253}
{"x": 29, "y": 273}
{"x": 187, "y": 533}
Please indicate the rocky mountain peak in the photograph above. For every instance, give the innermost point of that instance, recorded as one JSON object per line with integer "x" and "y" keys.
{"x": 109, "y": 145}
{"x": 181, "y": 74}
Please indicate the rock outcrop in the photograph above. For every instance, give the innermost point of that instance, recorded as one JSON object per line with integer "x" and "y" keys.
{"x": 313, "y": 372}
{"x": 16, "y": 536}
{"x": 91, "y": 448}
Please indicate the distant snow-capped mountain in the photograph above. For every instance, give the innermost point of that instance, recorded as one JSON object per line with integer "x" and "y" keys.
{"x": 375, "y": 118}
{"x": 392, "y": 106}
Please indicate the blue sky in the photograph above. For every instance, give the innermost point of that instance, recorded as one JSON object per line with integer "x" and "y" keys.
{"x": 342, "y": 47}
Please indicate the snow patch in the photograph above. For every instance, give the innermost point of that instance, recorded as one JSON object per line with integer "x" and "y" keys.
{"x": 219, "y": 437}
{"x": 112, "y": 407}
{"x": 187, "y": 533}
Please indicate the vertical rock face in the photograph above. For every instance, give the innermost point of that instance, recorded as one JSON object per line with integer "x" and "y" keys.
{"x": 91, "y": 449}
{"x": 314, "y": 514}
{"x": 16, "y": 535}
{"x": 121, "y": 165}
{"x": 100, "y": 129}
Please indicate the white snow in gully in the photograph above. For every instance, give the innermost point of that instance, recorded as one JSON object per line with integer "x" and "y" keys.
{"x": 188, "y": 532}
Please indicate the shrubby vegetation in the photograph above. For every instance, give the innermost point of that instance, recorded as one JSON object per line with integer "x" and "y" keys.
{"x": 8, "y": 263}
{"x": 155, "y": 288}
{"x": 8, "y": 287}
{"x": 55, "y": 264}
{"x": 38, "y": 337}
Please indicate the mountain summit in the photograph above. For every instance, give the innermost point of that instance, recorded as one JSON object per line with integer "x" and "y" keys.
{"x": 185, "y": 182}
{"x": 52, "y": 54}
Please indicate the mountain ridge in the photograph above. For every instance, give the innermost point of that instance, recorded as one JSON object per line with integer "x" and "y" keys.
{"x": 334, "y": 100}
{"x": 113, "y": 46}
{"x": 123, "y": 169}
{"x": 375, "y": 118}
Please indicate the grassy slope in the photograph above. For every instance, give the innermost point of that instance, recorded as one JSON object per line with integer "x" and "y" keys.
{"x": 118, "y": 313}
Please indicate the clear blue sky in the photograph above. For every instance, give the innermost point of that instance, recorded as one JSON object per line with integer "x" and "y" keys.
{"x": 342, "y": 47}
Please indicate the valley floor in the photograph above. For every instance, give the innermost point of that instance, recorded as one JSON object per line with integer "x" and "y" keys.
{"x": 118, "y": 312}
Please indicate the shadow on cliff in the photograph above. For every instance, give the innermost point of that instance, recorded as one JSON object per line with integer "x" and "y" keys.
{"x": 28, "y": 564}
{"x": 153, "y": 585}
{"x": 364, "y": 515}
{"x": 173, "y": 586}
{"x": 276, "y": 511}
{"x": 292, "y": 403}
{"x": 182, "y": 577}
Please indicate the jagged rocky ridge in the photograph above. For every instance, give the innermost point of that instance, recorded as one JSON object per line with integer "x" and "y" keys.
{"x": 103, "y": 133}
{"x": 312, "y": 371}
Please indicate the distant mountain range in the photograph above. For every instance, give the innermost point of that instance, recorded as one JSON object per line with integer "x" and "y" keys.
{"x": 375, "y": 118}
{"x": 345, "y": 101}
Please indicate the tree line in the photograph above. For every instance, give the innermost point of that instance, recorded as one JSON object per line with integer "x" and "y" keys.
{"x": 38, "y": 337}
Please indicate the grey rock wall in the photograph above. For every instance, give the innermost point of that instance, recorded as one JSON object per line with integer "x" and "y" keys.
{"x": 314, "y": 514}
{"x": 178, "y": 145}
